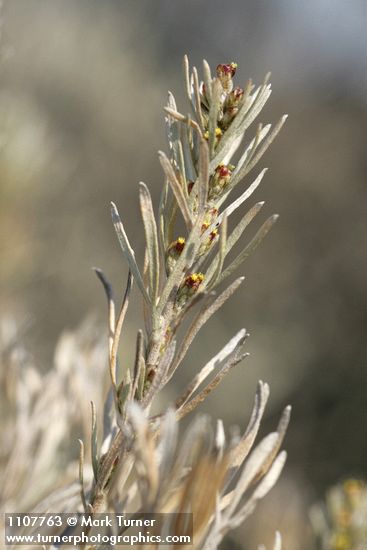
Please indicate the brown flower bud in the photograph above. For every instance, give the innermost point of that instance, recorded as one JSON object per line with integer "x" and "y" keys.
{"x": 219, "y": 180}
{"x": 193, "y": 281}
{"x": 188, "y": 288}
{"x": 225, "y": 73}
{"x": 173, "y": 253}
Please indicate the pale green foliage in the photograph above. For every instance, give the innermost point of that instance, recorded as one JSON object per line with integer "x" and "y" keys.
{"x": 340, "y": 522}
{"x": 144, "y": 463}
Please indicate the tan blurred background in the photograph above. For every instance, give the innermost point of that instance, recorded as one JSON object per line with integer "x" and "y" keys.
{"x": 83, "y": 84}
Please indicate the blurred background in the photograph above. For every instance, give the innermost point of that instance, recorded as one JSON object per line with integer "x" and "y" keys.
{"x": 83, "y": 85}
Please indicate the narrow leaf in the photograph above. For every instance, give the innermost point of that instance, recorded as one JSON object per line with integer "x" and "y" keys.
{"x": 203, "y": 176}
{"x": 207, "y": 80}
{"x": 214, "y": 114}
{"x": 266, "y": 144}
{"x": 243, "y": 120}
{"x": 191, "y": 405}
{"x": 94, "y": 449}
{"x": 250, "y": 470}
{"x": 253, "y": 244}
{"x": 215, "y": 270}
{"x": 176, "y": 188}
{"x": 151, "y": 236}
{"x": 183, "y": 263}
{"x": 111, "y": 305}
{"x": 242, "y": 167}
{"x": 241, "y": 450}
{"x": 197, "y": 98}
{"x": 118, "y": 329}
{"x": 265, "y": 485}
{"x": 186, "y": 69}
{"x": 241, "y": 226}
{"x": 81, "y": 475}
{"x": 204, "y": 316}
{"x": 139, "y": 364}
{"x": 127, "y": 250}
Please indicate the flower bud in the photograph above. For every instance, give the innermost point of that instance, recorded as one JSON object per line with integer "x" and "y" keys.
{"x": 173, "y": 253}
{"x": 235, "y": 97}
{"x": 219, "y": 180}
{"x": 188, "y": 288}
{"x": 193, "y": 281}
{"x": 225, "y": 73}
{"x": 218, "y": 135}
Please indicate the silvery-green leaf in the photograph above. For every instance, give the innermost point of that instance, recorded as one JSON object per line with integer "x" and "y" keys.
{"x": 243, "y": 447}
{"x": 246, "y": 115}
{"x": 139, "y": 364}
{"x": 191, "y": 173}
{"x": 241, "y": 226}
{"x": 265, "y": 485}
{"x": 111, "y": 305}
{"x": 197, "y": 98}
{"x": 127, "y": 250}
{"x": 226, "y": 352}
{"x": 81, "y": 474}
{"x": 214, "y": 111}
{"x": 94, "y": 448}
{"x": 176, "y": 188}
{"x": 214, "y": 272}
{"x": 243, "y": 197}
{"x": 203, "y": 176}
{"x": 207, "y": 80}
{"x": 183, "y": 263}
{"x": 261, "y": 150}
{"x": 233, "y": 360}
{"x": 278, "y": 541}
{"x": 281, "y": 429}
{"x": 200, "y": 320}
{"x": 241, "y": 168}
{"x": 253, "y": 244}
{"x": 186, "y": 69}
{"x": 151, "y": 237}
{"x": 251, "y": 468}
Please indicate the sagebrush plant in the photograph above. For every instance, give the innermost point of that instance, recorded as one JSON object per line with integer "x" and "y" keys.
{"x": 339, "y": 523}
{"x": 144, "y": 462}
